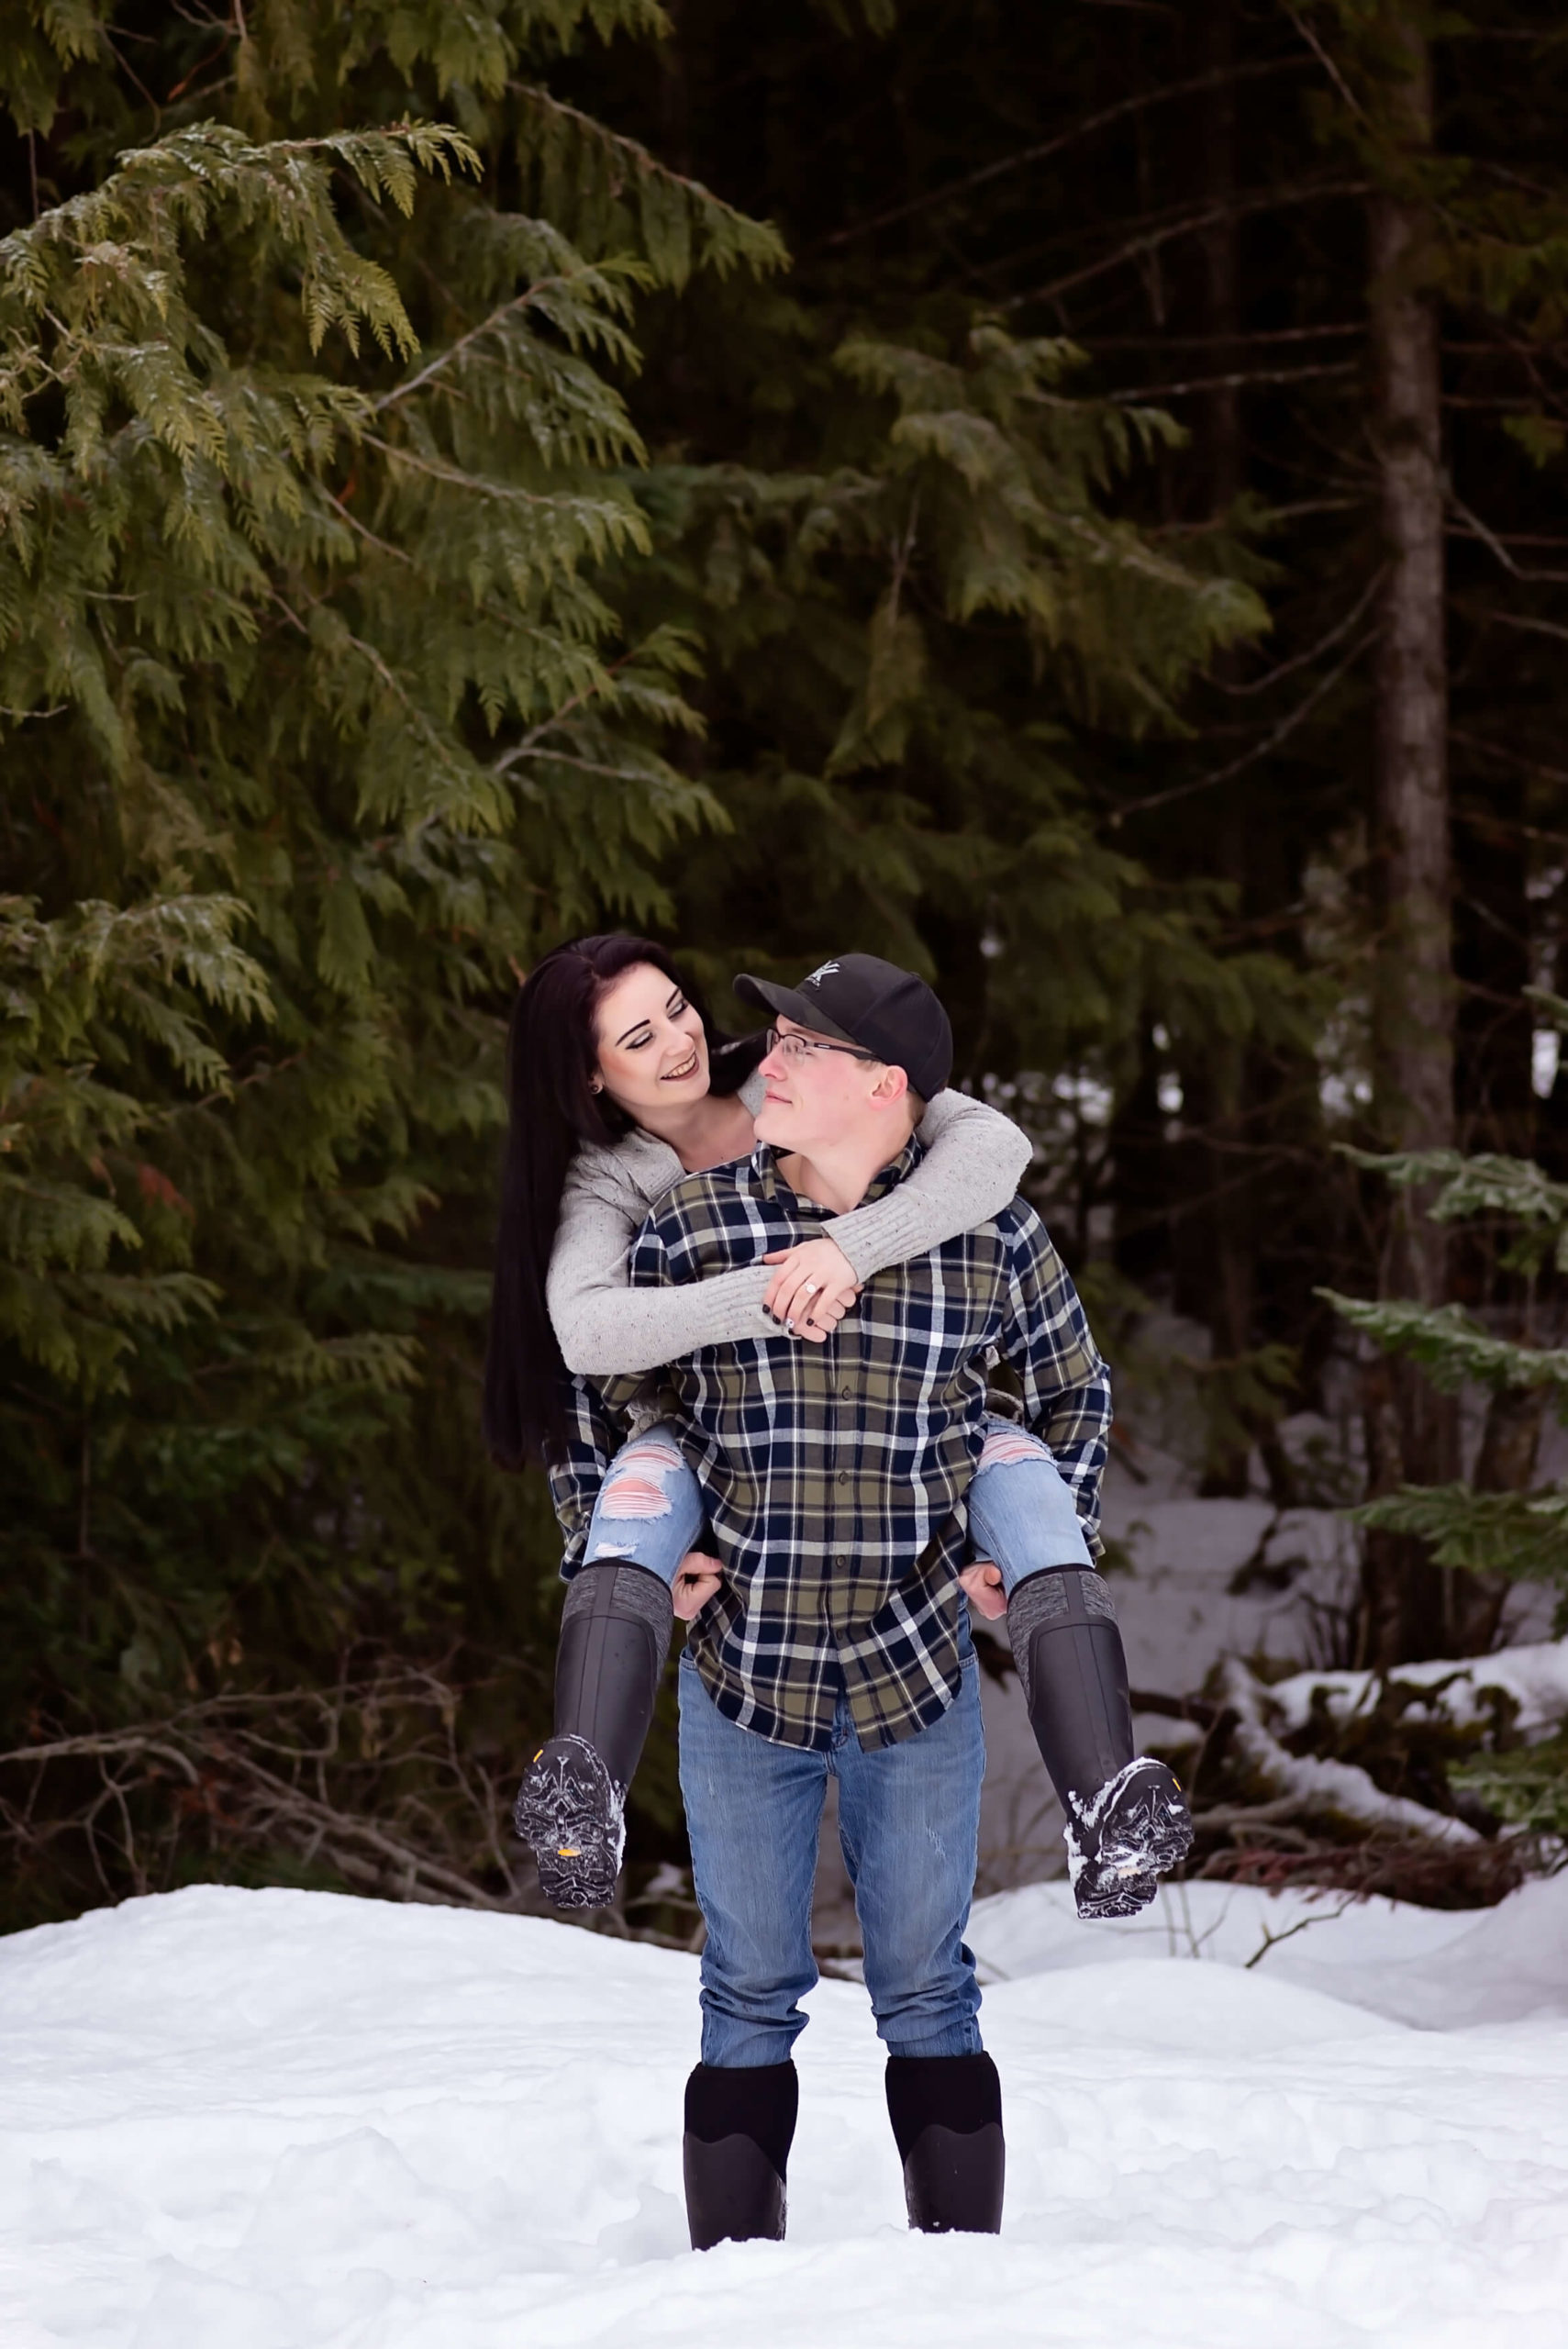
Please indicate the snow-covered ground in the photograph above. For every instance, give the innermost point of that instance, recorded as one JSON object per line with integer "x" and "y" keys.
{"x": 277, "y": 2120}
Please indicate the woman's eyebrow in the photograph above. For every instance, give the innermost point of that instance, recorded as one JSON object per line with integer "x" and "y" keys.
{"x": 633, "y": 1028}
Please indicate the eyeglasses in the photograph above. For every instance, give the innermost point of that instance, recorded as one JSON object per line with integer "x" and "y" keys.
{"x": 800, "y": 1048}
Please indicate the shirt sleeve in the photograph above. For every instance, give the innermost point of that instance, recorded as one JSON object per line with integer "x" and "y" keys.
{"x": 593, "y": 1439}
{"x": 973, "y": 1163}
{"x": 595, "y": 1429}
{"x": 1066, "y": 1386}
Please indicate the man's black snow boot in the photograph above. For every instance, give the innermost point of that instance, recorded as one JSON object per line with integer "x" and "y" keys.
{"x": 614, "y": 1634}
{"x": 1126, "y": 1822}
{"x": 946, "y": 2112}
{"x": 736, "y": 2152}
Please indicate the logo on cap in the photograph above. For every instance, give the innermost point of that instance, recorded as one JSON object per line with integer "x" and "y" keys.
{"x": 823, "y": 971}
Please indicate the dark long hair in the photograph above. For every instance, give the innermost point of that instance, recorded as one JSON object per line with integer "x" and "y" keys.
{"x": 551, "y": 1052}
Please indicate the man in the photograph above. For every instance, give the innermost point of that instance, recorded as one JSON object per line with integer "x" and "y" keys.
{"x": 831, "y": 1630}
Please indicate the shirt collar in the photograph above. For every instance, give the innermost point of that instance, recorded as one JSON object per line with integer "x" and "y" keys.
{"x": 770, "y": 1182}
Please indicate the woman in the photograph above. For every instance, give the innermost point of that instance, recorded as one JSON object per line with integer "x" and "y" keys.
{"x": 615, "y": 1095}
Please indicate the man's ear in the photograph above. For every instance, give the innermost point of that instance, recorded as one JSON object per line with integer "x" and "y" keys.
{"x": 891, "y": 1088}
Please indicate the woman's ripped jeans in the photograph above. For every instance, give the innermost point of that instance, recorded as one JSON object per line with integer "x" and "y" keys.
{"x": 1021, "y": 1516}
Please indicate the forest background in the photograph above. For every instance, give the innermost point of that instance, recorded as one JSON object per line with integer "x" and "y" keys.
{"x": 1071, "y": 498}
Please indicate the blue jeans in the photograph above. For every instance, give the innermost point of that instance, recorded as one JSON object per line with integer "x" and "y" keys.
{"x": 909, "y": 1830}
{"x": 1021, "y": 1511}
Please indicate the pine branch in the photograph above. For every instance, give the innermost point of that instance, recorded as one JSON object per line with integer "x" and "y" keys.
{"x": 1524, "y": 1535}
{"x": 1449, "y": 1347}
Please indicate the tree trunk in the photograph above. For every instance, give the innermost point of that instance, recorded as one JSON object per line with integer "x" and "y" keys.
{"x": 1141, "y": 1242}
{"x": 1494, "y": 1096}
{"x": 1511, "y": 1446}
{"x": 1217, "y": 1096}
{"x": 1413, "y": 1000}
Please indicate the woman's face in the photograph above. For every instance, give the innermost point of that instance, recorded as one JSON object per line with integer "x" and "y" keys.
{"x": 652, "y": 1051}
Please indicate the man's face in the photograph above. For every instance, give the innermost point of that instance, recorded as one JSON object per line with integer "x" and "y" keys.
{"x": 818, "y": 1094}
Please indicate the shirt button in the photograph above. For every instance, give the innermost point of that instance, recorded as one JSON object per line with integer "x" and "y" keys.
{"x": 841, "y": 1560}
{"x": 843, "y": 1475}
{"x": 848, "y": 1392}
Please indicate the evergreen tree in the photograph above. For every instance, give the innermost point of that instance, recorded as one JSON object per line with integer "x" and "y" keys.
{"x": 350, "y": 654}
{"x": 430, "y": 522}
{"x": 1500, "y": 1525}
{"x": 314, "y": 723}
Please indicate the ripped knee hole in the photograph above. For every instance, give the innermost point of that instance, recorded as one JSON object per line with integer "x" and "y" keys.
{"x": 1011, "y": 1448}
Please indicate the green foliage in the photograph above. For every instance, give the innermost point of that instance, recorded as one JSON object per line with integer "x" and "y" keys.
{"x": 78, "y": 995}
{"x": 1509, "y": 1190}
{"x": 316, "y": 722}
{"x": 618, "y": 197}
{"x": 903, "y": 639}
{"x": 1512, "y": 1533}
{"x": 1523, "y": 1535}
{"x": 1526, "y": 1787}
{"x": 1448, "y": 1345}
{"x": 379, "y": 602}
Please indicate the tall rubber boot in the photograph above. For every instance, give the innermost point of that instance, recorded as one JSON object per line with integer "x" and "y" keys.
{"x": 1125, "y": 1818}
{"x": 735, "y": 2154}
{"x": 571, "y": 1808}
{"x": 946, "y": 2112}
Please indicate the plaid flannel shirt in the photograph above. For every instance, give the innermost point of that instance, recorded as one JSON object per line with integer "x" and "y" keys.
{"x": 834, "y": 1475}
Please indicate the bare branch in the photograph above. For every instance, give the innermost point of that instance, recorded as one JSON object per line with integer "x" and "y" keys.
{"x": 1189, "y": 224}
{"x": 1336, "y": 635}
{"x": 1049, "y": 147}
{"x": 1238, "y": 382}
{"x": 1282, "y": 732}
{"x": 1326, "y": 62}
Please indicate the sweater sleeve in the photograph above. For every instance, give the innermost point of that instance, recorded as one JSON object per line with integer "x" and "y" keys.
{"x": 975, "y": 1158}
{"x": 604, "y": 1324}
{"x": 974, "y": 1162}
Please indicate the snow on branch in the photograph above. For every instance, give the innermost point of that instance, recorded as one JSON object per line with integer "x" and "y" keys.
{"x": 1338, "y": 1786}
{"x": 1532, "y": 1682}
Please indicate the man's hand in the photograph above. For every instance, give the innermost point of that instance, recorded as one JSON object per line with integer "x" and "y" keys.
{"x": 813, "y": 1288}
{"x": 982, "y": 1584}
{"x": 697, "y": 1579}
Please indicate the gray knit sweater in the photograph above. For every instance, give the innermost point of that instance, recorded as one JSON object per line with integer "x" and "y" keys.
{"x": 974, "y": 1161}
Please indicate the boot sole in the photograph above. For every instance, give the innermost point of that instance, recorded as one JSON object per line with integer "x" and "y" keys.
{"x": 1153, "y": 1855}
{"x": 1121, "y": 1879}
{"x": 568, "y": 1813}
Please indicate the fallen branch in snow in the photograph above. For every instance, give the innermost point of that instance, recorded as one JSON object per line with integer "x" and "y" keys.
{"x": 364, "y": 1783}
{"x": 1340, "y": 1789}
{"x": 1430, "y": 1876}
{"x": 1523, "y": 1690}
{"x": 1366, "y": 1781}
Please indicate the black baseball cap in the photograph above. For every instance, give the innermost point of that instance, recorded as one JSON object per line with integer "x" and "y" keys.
{"x": 863, "y": 1001}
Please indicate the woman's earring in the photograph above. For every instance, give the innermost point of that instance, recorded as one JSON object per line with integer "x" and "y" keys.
{"x": 596, "y": 1084}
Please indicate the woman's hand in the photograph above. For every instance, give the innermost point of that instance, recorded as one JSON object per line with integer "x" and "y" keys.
{"x": 982, "y": 1584}
{"x": 813, "y": 1288}
{"x": 697, "y": 1579}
